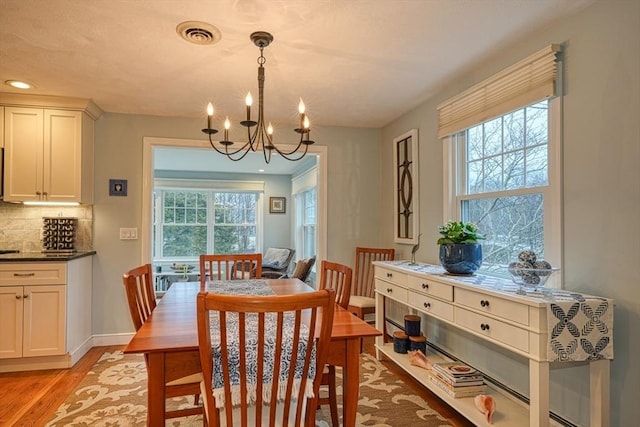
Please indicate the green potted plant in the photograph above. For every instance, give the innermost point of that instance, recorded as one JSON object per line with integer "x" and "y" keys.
{"x": 460, "y": 252}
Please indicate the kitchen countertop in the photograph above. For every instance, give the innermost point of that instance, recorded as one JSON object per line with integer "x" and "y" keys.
{"x": 39, "y": 256}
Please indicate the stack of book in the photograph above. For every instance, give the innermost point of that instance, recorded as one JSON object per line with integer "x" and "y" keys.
{"x": 457, "y": 379}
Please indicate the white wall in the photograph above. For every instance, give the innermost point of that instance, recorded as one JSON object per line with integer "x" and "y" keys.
{"x": 353, "y": 199}
{"x": 601, "y": 153}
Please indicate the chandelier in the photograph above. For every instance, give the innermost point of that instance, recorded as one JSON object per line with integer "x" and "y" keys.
{"x": 260, "y": 137}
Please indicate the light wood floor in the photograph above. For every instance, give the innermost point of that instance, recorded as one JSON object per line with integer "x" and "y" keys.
{"x": 31, "y": 398}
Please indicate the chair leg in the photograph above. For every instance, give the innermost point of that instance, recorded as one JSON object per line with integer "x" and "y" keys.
{"x": 333, "y": 401}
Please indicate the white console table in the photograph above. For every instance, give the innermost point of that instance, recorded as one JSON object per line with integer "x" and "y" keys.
{"x": 492, "y": 311}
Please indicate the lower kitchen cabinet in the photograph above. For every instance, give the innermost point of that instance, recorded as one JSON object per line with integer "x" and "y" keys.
{"x": 45, "y": 314}
{"x": 33, "y": 320}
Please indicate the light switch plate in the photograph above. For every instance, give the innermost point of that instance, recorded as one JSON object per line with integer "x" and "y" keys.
{"x": 128, "y": 233}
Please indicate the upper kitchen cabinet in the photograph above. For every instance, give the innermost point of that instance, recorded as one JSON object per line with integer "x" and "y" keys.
{"x": 48, "y": 148}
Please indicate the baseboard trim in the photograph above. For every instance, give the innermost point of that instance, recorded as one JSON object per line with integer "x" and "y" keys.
{"x": 112, "y": 339}
{"x": 81, "y": 350}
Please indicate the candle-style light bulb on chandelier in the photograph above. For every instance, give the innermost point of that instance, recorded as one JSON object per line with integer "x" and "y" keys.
{"x": 260, "y": 136}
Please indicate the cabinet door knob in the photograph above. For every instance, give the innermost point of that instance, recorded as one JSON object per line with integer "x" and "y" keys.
{"x": 427, "y": 305}
{"x": 484, "y": 303}
{"x": 18, "y": 296}
{"x": 484, "y": 326}
{"x": 425, "y": 286}
{"x": 25, "y": 296}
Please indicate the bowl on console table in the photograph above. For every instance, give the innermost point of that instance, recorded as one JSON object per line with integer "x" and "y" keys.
{"x": 531, "y": 278}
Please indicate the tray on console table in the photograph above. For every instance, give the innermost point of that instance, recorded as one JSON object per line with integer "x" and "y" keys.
{"x": 553, "y": 325}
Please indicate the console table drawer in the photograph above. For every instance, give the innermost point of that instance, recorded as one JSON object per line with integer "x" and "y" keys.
{"x": 391, "y": 275}
{"x": 428, "y": 286}
{"x": 430, "y": 306}
{"x": 506, "y": 309}
{"x": 493, "y": 329}
{"x": 392, "y": 291}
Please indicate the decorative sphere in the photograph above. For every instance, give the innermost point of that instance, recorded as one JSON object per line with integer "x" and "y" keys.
{"x": 543, "y": 266}
{"x": 527, "y": 256}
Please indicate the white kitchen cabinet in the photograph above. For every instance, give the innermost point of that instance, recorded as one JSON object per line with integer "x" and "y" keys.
{"x": 48, "y": 148}
{"x": 45, "y": 314}
{"x": 513, "y": 322}
{"x": 33, "y": 320}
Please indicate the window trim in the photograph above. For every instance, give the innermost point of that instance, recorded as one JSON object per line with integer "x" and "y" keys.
{"x": 150, "y": 143}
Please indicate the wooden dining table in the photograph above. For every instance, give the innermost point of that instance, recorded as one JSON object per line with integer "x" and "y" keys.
{"x": 170, "y": 339}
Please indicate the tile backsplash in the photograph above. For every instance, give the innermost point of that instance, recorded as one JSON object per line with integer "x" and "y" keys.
{"x": 21, "y": 226}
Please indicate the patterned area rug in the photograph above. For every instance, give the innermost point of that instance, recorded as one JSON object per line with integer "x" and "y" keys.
{"x": 114, "y": 394}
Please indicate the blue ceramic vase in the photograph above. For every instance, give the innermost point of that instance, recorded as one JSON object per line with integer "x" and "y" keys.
{"x": 459, "y": 258}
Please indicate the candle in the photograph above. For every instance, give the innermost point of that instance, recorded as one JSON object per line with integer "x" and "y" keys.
{"x": 209, "y": 114}
{"x": 227, "y": 125}
{"x": 301, "y": 109}
{"x": 270, "y": 129}
{"x": 249, "y": 101}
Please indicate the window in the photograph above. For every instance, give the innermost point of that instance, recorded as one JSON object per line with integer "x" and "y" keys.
{"x": 306, "y": 223}
{"x": 190, "y": 222}
{"x": 502, "y": 176}
{"x": 503, "y": 173}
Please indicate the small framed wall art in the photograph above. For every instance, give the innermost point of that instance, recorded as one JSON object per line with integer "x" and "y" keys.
{"x": 117, "y": 187}
{"x": 277, "y": 205}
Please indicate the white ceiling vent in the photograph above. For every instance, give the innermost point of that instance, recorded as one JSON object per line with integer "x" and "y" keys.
{"x": 199, "y": 32}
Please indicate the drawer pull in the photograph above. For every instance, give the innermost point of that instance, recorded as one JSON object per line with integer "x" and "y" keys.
{"x": 24, "y": 274}
{"x": 427, "y": 305}
{"x": 389, "y": 290}
{"x": 18, "y": 296}
{"x": 484, "y": 326}
{"x": 389, "y": 275}
{"x": 425, "y": 286}
{"x": 484, "y": 303}
{"x": 25, "y": 296}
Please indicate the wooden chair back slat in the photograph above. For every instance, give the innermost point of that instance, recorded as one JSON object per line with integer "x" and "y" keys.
{"x": 364, "y": 283}
{"x": 337, "y": 277}
{"x": 141, "y": 298}
{"x": 230, "y": 267}
{"x": 314, "y": 309}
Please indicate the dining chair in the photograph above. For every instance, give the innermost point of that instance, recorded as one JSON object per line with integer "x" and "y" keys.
{"x": 230, "y": 267}
{"x": 362, "y": 300}
{"x": 138, "y": 284}
{"x": 282, "y": 328}
{"x": 338, "y": 277}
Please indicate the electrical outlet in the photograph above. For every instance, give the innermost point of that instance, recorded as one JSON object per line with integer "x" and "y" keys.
{"x": 128, "y": 233}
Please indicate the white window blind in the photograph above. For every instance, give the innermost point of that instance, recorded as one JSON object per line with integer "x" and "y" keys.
{"x": 530, "y": 80}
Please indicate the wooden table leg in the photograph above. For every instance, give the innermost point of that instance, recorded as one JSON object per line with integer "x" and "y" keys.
{"x": 350, "y": 382}
{"x": 155, "y": 389}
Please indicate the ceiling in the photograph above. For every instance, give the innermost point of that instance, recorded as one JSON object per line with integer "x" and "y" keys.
{"x": 354, "y": 63}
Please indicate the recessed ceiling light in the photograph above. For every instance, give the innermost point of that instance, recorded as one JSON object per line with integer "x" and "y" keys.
{"x": 18, "y": 84}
